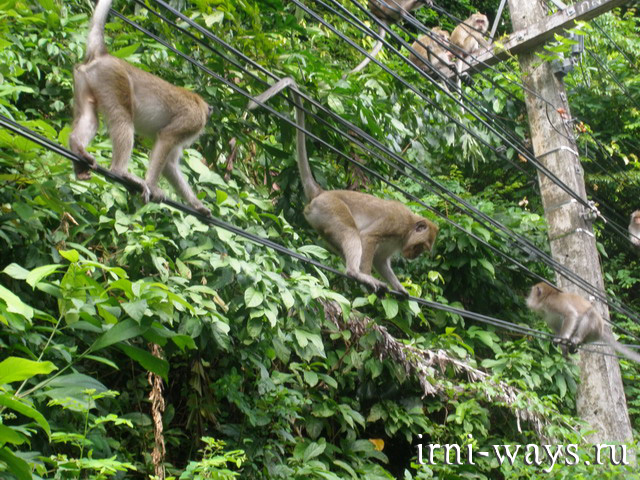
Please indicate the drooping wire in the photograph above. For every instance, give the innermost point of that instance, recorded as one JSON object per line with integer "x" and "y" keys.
{"x": 597, "y": 293}
{"x": 42, "y": 141}
{"x": 38, "y": 139}
{"x": 527, "y": 248}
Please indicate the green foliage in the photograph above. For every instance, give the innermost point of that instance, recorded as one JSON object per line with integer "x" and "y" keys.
{"x": 91, "y": 278}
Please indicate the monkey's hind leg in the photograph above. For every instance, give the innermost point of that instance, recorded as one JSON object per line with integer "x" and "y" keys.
{"x": 566, "y": 336}
{"x": 85, "y": 123}
{"x": 176, "y": 178}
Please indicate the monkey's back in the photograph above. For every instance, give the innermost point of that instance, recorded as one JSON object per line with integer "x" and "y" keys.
{"x": 151, "y": 101}
{"x": 387, "y": 216}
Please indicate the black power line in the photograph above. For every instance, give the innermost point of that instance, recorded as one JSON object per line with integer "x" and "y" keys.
{"x": 526, "y": 247}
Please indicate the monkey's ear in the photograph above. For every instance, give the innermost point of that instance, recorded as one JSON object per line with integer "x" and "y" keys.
{"x": 421, "y": 226}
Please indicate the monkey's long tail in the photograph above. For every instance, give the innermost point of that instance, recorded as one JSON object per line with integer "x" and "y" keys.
{"x": 373, "y": 53}
{"x": 626, "y": 351}
{"x": 309, "y": 185}
{"x": 95, "y": 40}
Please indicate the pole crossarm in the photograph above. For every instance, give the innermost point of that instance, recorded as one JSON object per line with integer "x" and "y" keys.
{"x": 530, "y": 37}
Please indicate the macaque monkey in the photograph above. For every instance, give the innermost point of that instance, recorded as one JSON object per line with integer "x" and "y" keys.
{"x": 388, "y": 11}
{"x": 133, "y": 100}
{"x": 364, "y": 229}
{"x": 468, "y": 36}
{"x": 634, "y": 229}
{"x": 573, "y": 319}
{"x": 433, "y": 52}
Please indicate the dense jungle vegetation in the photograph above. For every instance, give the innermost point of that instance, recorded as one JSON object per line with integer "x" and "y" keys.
{"x": 132, "y": 330}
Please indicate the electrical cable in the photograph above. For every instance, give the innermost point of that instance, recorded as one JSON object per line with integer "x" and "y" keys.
{"x": 613, "y": 42}
{"x": 25, "y": 132}
{"x": 42, "y": 141}
{"x": 592, "y": 290}
{"x": 558, "y": 266}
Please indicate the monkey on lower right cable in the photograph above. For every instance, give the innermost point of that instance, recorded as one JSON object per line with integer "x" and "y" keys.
{"x": 573, "y": 319}
{"x": 364, "y": 229}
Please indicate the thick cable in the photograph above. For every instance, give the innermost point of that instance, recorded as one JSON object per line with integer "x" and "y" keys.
{"x": 16, "y": 128}
{"x": 530, "y": 247}
{"x": 567, "y": 273}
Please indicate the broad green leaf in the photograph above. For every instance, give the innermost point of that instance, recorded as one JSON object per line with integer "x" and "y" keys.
{"x": 487, "y": 265}
{"x": 16, "y": 465}
{"x": 146, "y": 360}
{"x": 39, "y": 273}
{"x": 252, "y": 297}
{"x": 9, "y": 435}
{"x": 135, "y": 309}
{"x": 313, "y": 450}
{"x": 287, "y": 298}
{"x": 120, "y": 332}
{"x": 15, "y": 305}
{"x": 390, "y": 306}
{"x": 11, "y": 402}
{"x": 16, "y": 271}
{"x": 183, "y": 341}
{"x": 126, "y": 51}
{"x": 72, "y": 255}
{"x": 311, "y": 378}
{"x": 16, "y": 369}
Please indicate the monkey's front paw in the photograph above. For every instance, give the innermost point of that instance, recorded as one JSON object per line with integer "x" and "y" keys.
{"x": 202, "y": 210}
{"x": 83, "y": 172}
{"x": 157, "y": 195}
{"x": 401, "y": 290}
{"x": 572, "y": 347}
{"x": 379, "y": 288}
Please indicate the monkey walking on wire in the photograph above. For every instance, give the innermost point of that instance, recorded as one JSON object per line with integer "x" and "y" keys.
{"x": 132, "y": 100}
{"x": 364, "y": 229}
{"x": 573, "y": 319}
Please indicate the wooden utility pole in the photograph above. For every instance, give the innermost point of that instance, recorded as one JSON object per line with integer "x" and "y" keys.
{"x": 601, "y": 400}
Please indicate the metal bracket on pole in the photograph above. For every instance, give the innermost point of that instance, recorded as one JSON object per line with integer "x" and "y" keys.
{"x": 591, "y": 214}
{"x": 571, "y": 232}
{"x": 558, "y": 4}
{"x": 562, "y": 148}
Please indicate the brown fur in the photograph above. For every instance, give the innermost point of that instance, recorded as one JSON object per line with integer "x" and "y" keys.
{"x": 133, "y": 100}
{"x": 390, "y": 11}
{"x": 470, "y": 40}
{"x": 431, "y": 51}
{"x": 634, "y": 228}
{"x": 364, "y": 229}
{"x": 573, "y": 319}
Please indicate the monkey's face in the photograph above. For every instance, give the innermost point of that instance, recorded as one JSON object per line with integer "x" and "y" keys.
{"x": 421, "y": 238}
{"x": 481, "y": 22}
{"x": 635, "y": 218}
